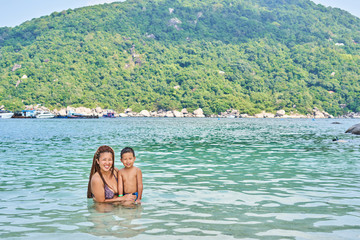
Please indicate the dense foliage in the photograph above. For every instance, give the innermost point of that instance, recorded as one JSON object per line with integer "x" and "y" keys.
{"x": 249, "y": 55}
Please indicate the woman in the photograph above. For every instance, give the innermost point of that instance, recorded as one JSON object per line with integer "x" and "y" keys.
{"x": 103, "y": 184}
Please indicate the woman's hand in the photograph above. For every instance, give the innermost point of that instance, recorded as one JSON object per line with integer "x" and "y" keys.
{"x": 128, "y": 197}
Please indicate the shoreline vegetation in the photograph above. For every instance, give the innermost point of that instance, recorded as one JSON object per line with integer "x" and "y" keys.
{"x": 198, "y": 113}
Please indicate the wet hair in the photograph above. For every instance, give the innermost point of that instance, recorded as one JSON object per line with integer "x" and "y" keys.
{"x": 95, "y": 168}
{"x": 127, "y": 150}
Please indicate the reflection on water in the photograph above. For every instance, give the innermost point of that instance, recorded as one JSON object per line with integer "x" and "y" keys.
{"x": 111, "y": 219}
{"x": 203, "y": 179}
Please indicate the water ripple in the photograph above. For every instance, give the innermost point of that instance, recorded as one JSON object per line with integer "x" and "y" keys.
{"x": 203, "y": 179}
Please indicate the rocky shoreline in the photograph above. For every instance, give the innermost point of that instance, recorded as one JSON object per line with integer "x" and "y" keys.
{"x": 198, "y": 113}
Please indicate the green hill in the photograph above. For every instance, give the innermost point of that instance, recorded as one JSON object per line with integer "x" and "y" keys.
{"x": 249, "y": 55}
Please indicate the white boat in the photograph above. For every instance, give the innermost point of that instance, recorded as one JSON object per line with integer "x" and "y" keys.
{"x": 45, "y": 115}
{"x": 6, "y": 114}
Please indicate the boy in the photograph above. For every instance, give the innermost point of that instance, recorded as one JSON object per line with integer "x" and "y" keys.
{"x": 129, "y": 177}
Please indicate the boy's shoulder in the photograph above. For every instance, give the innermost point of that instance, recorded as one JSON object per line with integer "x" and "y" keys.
{"x": 133, "y": 169}
{"x": 136, "y": 169}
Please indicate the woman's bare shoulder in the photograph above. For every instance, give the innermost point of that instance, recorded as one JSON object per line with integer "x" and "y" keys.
{"x": 96, "y": 178}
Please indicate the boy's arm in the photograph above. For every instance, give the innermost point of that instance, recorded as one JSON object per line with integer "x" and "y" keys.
{"x": 139, "y": 183}
{"x": 120, "y": 184}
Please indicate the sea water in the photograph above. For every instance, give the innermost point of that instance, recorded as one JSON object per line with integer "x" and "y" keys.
{"x": 203, "y": 179}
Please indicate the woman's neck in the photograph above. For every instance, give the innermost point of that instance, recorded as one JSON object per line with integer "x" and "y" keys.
{"x": 106, "y": 174}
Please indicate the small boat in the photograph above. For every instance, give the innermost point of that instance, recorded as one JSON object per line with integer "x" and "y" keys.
{"x": 6, "y": 114}
{"x": 109, "y": 114}
{"x": 72, "y": 114}
{"x": 25, "y": 114}
{"x": 28, "y": 113}
{"x": 45, "y": 115}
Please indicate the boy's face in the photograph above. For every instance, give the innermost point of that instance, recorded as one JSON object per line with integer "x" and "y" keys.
{"x": 128, "y": 160}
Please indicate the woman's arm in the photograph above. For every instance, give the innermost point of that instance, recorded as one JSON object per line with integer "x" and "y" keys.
{"x": 139, "y": 184}
{"x": 127, "y": 197}
{"x": 97, "y": 189}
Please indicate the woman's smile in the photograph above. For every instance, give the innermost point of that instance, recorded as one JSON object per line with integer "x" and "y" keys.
{"x": 105, "y": 161}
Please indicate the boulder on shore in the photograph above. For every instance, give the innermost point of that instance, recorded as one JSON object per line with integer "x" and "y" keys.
{"x": 354, "y": 129}
{"x": 98, "y": 110}
{"x": 62, "y": 112}
{"x": 144, "y": 113}
{"x": 161, "y": 113}
{"x": 264, "y": 114}
{"x": 178, "y": 114}
{"x": 123, "y": 115}
{"x": 280, "y": 113}
{"x": 199, "y": 113}
{"x": 169, "y": 114}
{"x": 321, "y": 114}
{"x": 127, "y": 110}
{"x": 83, "y": 111}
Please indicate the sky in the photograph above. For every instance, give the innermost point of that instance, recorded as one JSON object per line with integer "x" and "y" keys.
{"x": 15, "y": 12}
{"x": 352, "y": 6}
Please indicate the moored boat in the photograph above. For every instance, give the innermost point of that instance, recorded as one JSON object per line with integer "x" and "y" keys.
{"x": 28, "y": 113}
{"x": 44, "y": 115}
{"x": 74, "y": 115}
{"x": 24, "y": 114}
{"x": 109, "y": 114}
{"x": 6, "y": 114}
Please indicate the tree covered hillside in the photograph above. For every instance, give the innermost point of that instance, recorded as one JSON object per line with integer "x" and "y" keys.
{"x": 249, "y": 55}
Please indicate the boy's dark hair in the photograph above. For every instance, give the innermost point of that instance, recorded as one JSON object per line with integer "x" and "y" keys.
{"x": 127, "y": 150}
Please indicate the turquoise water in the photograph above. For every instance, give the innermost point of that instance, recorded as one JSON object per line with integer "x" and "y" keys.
{"x": 203, "y": 179}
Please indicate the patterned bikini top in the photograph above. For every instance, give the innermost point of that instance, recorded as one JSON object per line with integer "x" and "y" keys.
{"x": 108, "y": 193}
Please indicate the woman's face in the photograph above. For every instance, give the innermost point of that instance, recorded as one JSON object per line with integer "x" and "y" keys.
{"x": 105, "y": 161}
